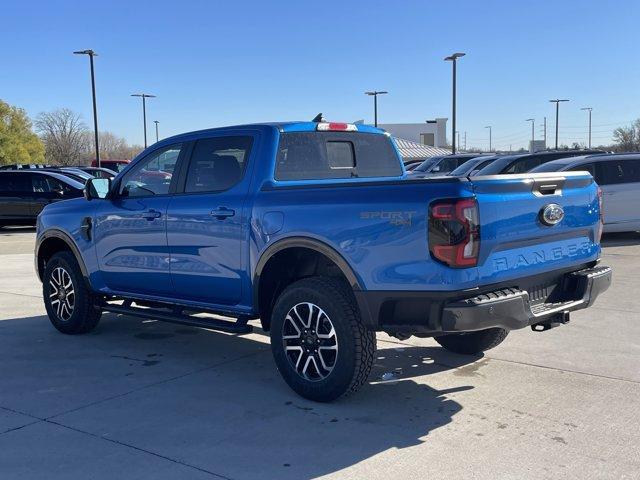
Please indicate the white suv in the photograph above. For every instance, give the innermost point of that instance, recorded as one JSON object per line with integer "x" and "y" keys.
{"x": 619, "y": 177}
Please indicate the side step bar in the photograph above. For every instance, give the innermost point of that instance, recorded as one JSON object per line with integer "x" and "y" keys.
{"x": 239, "y": 326}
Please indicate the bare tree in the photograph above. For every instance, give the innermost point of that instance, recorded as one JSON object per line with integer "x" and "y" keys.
{"x": 64, "y": 135}
{"x": 112, "y": 147}
{"x": 627, "y": 139}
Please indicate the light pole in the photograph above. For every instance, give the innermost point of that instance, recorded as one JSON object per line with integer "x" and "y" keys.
{"x": 156, "y": 122}
{"x": 533, "y": 122}
{"x": 453, "y": 59}
{"x": 589, "y": 110}
{"x": 375, "y": 94}
{"x": 91, "y": 54}
{"x": 489, "y": 127}
{"x": 144, "y": 96}
{"x": 557, "y": 102}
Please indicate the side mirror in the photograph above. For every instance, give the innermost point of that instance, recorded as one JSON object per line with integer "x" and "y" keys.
{"x": 97, "y": 188}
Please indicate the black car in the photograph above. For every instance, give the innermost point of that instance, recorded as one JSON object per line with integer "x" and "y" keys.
{"x": 522, "y": 163}
{"x": 24, "y": 193}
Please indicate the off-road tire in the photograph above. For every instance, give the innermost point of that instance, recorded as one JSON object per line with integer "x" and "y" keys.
{"x": 85, "y": 315}
{"x": 356, "y": 345}
{"x": 473, "y": 343}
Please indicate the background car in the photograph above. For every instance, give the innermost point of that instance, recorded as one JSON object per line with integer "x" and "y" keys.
{"x": 618, "y": 176}
{"x": 443, "y": 164}
{"x": 24, "y": 193}
{"x": 411, "y": 164}
{"x": 471, "y": 167}
{"x": 115, "y": 165}
{"x": 522, "y": 163}
{"x": 99, "y": 172}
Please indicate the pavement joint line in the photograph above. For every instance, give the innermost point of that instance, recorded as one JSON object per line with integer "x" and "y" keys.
{"x": 154, "y": 384}
{"x": 139, "y": 449}
{"x": 52, "y": 422}
{"x": 20, "y": 294}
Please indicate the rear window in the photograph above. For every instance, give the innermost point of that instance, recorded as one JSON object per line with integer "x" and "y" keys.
{"x": 618, "y": 171}
{"x": 327, "y": 155}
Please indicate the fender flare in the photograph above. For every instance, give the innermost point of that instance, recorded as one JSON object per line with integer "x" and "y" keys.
{"x": 66, "y": 238}
{"x": 302, "y": 242}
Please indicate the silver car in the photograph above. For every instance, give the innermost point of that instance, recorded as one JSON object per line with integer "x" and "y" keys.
{"x": 619, "y": 177}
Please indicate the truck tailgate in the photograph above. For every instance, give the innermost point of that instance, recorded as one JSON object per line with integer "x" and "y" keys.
{"x": 515, "y": 240}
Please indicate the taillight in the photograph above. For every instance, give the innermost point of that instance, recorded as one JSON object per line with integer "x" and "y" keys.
{"x": 601, "y": 222}
{"x": 454, "y": 232}
{"x": 336, "y": 127}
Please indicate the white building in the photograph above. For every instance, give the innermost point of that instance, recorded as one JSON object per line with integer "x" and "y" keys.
{"x": 432, "y": 133}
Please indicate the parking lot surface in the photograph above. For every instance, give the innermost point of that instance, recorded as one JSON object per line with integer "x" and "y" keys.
{"x": 144, "y": 399}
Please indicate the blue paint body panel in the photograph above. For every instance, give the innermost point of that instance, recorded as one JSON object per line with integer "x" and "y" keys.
{"x": 378, "y": 226}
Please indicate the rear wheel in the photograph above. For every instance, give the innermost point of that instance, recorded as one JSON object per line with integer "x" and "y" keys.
{"x": 319, "y": 344}
{"x": 69, "y": 302}
{"x": 472, "y": 343}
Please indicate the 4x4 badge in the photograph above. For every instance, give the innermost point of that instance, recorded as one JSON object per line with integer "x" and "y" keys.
{"x": 551, "y": 214}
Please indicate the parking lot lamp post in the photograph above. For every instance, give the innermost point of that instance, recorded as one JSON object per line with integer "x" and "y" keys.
{"x": 375, "y": 94}
{"x": 557, "y": 102}
{"x": 156, "y": 122}
{"x": 144, "y": 97}
{"x": 453, "y": 59}
{"x": 489, "y": 127}
{"x": 91, "y": 54}
{"x": 533, "y": 122}
{"x": 589, "y": 110}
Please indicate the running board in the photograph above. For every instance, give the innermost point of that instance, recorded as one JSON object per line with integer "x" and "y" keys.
{"x": 239, "y": 326}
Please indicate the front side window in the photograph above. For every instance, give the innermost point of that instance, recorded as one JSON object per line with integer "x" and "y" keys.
{"x": 330, "y": 155}
{"x": 149, "y": 177}
{"x": 46, "y": 184}
{"x": 217, "y": 164}
{"x": 584, "y": 167}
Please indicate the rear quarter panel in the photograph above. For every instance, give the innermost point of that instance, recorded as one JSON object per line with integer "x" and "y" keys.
{"x": 379, "y": 228}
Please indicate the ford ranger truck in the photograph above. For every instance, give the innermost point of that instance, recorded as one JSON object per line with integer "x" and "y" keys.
{"x": 315, "y": 229}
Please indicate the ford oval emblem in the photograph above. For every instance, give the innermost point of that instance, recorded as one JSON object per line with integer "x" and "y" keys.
{"x": 551, "y": 214}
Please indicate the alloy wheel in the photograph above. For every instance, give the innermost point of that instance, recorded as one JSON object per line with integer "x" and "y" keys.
{"x": 310, "y": 341}
{"x": 62, "y": 296}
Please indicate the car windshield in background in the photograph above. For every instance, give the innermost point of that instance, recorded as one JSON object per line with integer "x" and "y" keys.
{"x": 428, "y": 163}
{"x": 472, "y": 166}
{"x": 327, "y": 155}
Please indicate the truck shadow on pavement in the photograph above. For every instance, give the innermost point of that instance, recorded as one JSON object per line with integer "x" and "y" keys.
{"x": 209, "y": 399}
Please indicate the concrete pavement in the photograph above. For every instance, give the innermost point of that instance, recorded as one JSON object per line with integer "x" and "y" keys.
{"x": 143, "y": 399}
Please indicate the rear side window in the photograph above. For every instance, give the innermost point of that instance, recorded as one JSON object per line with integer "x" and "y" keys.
{"x": 327, "y": 155}
{"x": 15, "y": 182}
{"x": 46, "y": 184}
{"x": 217, "y": 164}
{"x": 619, "y": 171}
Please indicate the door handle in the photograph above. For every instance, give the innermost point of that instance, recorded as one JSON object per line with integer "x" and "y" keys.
{"x": 222, "y": 212}
{"x": 151, "y": 214}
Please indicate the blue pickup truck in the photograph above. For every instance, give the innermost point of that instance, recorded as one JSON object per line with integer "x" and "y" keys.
{"x": 316, "y": 229}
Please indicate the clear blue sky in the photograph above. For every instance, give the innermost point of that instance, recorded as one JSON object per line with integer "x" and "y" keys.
{"x": 219, "y": 63}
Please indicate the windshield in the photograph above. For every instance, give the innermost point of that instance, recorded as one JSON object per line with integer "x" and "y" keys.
{"x": 424, "y": 166}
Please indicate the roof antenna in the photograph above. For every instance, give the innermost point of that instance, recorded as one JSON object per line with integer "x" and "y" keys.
{"x": 318, "y": 118}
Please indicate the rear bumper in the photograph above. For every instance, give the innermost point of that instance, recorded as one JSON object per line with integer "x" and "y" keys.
{"x": 434, "y": 313}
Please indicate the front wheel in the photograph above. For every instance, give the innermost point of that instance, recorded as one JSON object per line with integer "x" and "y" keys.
{"x": 472, "y": 343}
{"x": 69, "y": 303}
{"x": 319, "y": 344}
